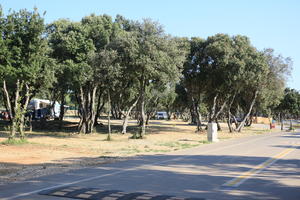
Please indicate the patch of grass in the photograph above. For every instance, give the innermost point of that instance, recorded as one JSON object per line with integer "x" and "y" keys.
{"x": 130, "y": 150}
{"x": 187, "y": 145}
{"x": 169, "y": 144}
{"x": 157, "y": 150}
{"x": 178, "y": 145}
{"x": 204, "y": 142}
{"x": 292, "y": 129}
{"x": 15, "y": 142}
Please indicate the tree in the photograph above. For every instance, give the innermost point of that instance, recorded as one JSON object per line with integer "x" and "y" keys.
{"x": 221, "y": 70}
{"x": 125, "y": 93}
{"x": 273, "y": 93}
{"x": 108, "y": 71}
{"x": 72, "y": 48}
{"x": 253, "y": 76}
{"x": 24, "y": 63}
{"x": 154, "y": 57}
{"x": 289, "y": 106}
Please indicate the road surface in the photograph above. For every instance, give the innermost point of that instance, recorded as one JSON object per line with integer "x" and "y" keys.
{"x": 258, "y": 167}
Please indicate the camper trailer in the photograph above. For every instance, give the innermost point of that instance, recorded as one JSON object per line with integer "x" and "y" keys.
{"x": 42, "y": 108}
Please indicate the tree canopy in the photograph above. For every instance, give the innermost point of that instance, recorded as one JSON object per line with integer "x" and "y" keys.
{"x": 125, "y": 66}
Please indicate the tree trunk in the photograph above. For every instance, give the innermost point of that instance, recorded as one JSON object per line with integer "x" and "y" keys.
{"x": 83, "y": 117}
{"x": 249, "y": 121}
{"x": 218, "y": 125}
{"x": 142, "y": 109}
{"x": 125, "y": 121}
{"x": 213, "y": 110}
{"x": 281, "y": 121}
{"x": 169, "y": 113}
{"x": 87, "y": 109}
{"x": 197, "y": 115}
{"x": 241, "y": 125}
{"x": 229, "y": 114}
{"x": 218, "y": 113}
{"x": 92, "y": 109}
{"x": 193, "y": 116}
{"x": 7, "y": 102}
{"x": 9, "y": 110}
{"x": 62, "y": 110}
{"x": 16, "y": 112}
{"x": 221, "y": 109}
{"x": 108, "y": 116}
{"x": 99, "y": 108}
{"x": 229, "y": 122}
{"x": 23, "y": 112}
{"x": 143, "y": 119}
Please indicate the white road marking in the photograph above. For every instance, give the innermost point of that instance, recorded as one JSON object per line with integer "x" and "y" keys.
{"x": 129, "y": 169}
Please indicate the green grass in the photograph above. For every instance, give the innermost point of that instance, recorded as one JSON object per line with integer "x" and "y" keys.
{"x": 179, "y": 145}
{"x": 15, "y": 142}
{"x": 157, "y": 150}
{"x": 204, "y": 142}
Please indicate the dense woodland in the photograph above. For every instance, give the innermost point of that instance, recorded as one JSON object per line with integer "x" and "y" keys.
{"x": 132, "y": 69}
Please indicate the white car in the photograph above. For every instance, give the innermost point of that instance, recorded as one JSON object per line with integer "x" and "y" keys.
{"x": 161, "y": 115}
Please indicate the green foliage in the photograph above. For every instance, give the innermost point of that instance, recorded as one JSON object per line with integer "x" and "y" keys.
{"x": 25, "y": 57}
{"x": 15, "y": 142}
{"x": 132, "y": 60}
{"x": 290, "y": 104}
{"x": 273, "y": 92}
{"x": 25, "y": 66}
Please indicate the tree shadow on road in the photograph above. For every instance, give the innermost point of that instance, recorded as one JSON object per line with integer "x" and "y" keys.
{"x": 185, "y": 175}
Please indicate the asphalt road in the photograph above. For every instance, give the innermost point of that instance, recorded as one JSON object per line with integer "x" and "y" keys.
{"x": 257, "y": 167}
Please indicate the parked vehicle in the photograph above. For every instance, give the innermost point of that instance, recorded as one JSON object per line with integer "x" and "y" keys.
{"x": 42, "y": 108}
{"x": 161, "y": 115}
{"x": 237, "y": 120}
{"x": 4, "y": 115}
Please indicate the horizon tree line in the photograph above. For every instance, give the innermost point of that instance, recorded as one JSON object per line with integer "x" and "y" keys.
{"x": 121, "y": 65}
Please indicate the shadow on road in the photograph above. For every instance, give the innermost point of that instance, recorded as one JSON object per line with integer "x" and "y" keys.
{"x": 188, "y": 176}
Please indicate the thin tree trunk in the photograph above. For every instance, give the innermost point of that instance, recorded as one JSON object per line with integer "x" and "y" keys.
{"x": 125, "y": 121}
{"x": 239, "y": 129}
{"x": 218, "y": 124}
{"x": 229, "y": 122}
{"x": 82, "y": 122}
{"x": 62, "y": 110}
{"x": 213, "y": 109}
{"x": 16, "y": 112}
{"x": 7, "y": 102}
{"x": 10, "y": 113}
{"x": 235, "y": 121}
{"x": 142, "y": 109}
{"x": 143, "y": 118}
{"x": 108, "y": 116}
{"x": 98, "y": 113}
{"x": 99, "y": 105}
{"x": 193, "y": 115}
{"x": 23, "y": 111}
{"x": 229, "y": 114}
{"x": 197, "y": 115}
{"x": 169, "y": 113}
{"x": 281, "y": 121}
{"x": 92, "y": 109}
{"x": 214, "y": 116}
{"x": 148, "y": 114}
{"x": 221, "y": 109}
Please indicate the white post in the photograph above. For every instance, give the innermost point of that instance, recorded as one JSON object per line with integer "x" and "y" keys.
{"x": 212, "y": 132}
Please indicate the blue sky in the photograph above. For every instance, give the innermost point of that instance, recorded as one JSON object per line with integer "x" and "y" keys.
{"x": 268, "y": 23}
